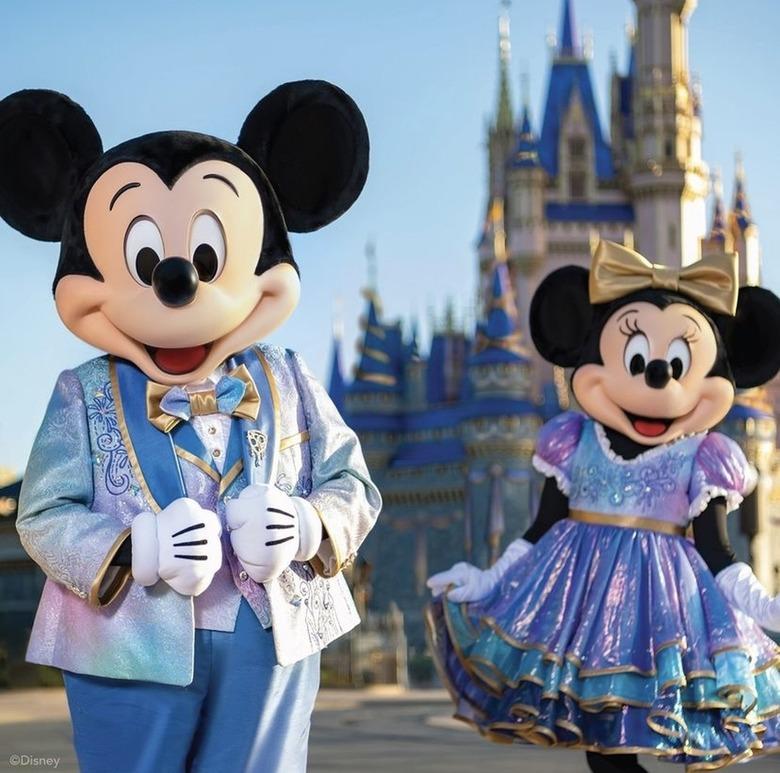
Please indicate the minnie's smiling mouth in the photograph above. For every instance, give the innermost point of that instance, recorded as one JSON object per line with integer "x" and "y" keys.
{"x": 649, "y": 426}
{"x": 178, "y": 361}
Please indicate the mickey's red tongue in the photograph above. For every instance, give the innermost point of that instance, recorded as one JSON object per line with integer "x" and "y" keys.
{"x": 180, "y": 360}
{"x": 650, "y": 427}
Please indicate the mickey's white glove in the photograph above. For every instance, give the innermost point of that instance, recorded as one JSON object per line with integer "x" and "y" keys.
{"x": 179, "y": 545}
{"x": 745, "y": 592}
{"x": 269, "y": 529}
{"x": 473, "y": 584}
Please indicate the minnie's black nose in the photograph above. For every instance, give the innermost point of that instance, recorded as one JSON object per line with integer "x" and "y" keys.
{"x": 175, "y": 281}
{"x": 658, "y": 373}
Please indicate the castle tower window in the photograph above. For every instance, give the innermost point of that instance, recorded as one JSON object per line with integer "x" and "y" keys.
{"x": 577, "y": 148}
{"x": 577, "y": 186}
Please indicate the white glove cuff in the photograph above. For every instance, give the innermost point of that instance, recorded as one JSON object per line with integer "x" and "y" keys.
{"x": 744, "y": 591}
{"x": 514, "y": 552}
{"x": 145, "y": 549}
{"x": 309, "y": 528}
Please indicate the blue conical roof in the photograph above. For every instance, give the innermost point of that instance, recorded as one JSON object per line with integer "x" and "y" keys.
{"x": 526, "y": 151}
{"x": 381, "y": 354}
{"x": 336, "y": 387}
{"x": 498, "y": 338}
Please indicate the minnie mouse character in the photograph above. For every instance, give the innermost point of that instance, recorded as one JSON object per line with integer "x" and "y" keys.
{"x": 606, "y": 627}
{"x": 192, "y": 496}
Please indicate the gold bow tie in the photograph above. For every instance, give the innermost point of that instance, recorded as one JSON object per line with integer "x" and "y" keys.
{"x": 617, "y": 271}
{"x": 223, "y": 398}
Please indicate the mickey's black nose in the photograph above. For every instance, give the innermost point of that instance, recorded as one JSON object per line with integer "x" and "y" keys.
{"x": 658, "y": 373}
{"x": 175, "y": 281}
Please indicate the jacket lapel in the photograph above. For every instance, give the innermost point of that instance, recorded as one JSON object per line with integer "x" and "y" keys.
{"x": 254, "y": 445}
{"x": 151, "y": 452}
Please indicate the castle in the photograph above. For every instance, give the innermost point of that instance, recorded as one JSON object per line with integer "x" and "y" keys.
{"x": 449, "y": 437}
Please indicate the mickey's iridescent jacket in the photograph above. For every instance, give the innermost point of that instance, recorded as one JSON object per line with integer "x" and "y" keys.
{"x": 97, "y": 462}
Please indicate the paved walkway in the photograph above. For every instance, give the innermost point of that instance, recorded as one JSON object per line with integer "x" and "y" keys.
{"x": 365, "y": 731}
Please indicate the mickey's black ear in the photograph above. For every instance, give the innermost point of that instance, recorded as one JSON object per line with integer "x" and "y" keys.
{"x": 561, "y": 315}
{"x": 310, "y": 139}
{"x": 47, "y": 142}
{"x": 750, "y": 337}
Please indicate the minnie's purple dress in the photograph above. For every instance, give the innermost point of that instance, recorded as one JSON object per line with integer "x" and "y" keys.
{"x": 615, "y": 638}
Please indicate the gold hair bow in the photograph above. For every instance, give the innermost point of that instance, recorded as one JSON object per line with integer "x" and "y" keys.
{"x": 617, "y": 271}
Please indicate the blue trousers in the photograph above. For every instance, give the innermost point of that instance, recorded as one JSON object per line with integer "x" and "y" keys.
{"x": 242, "y": 711}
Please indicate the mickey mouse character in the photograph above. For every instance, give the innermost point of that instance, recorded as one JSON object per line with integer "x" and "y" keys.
{"x": 192, "y": 496}
{"x": 605, "y": 627}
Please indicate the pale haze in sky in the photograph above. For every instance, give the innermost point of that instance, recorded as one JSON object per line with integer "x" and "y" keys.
{"x": 424, "y": 73}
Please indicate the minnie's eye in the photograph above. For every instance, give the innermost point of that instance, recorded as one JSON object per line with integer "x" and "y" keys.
{"x": 207, "y": 246}
{"x": 636, "y": 354}
{"x": 678, "y": 355}
{"x": 143, "y": 249}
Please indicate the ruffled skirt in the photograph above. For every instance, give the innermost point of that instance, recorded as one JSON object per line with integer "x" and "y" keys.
{"x": 612, "y": 640}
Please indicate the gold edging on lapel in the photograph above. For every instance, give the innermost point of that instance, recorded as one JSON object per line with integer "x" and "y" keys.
{"x": 120, "y": 417}
{"x": 294, "y": 440}
{"x": 276, "y": 402}
{"x": 198, "y": 462}
{"x": 230, "y": 476}
{"x": 94, "y": 598}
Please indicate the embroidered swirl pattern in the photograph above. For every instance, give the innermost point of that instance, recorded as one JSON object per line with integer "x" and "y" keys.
{"x": 102, "y": 416}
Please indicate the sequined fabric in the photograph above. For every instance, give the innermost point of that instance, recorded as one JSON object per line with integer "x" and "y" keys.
{"x": 80, "y": 493}
{"x": 672, "y": 483}
{"x": 611, "y": 638}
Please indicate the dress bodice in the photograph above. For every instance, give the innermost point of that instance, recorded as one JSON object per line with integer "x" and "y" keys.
{"x": 672, "y": 482}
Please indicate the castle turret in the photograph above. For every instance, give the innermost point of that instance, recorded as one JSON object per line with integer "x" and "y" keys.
{"x": 744, "y": 232}
{"x": 669, "y": 178}
{"x": 374, "y": 400}
{"x": 414, "y": 374}
{"x": 524, "y": 219}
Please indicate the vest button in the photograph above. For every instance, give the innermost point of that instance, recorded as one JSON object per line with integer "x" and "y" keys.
{"x": 243, "y": 576}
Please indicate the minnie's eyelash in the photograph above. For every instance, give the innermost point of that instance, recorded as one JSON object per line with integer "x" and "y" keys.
{"x": 629, "y": 327}
{"x": 690, "y": 336}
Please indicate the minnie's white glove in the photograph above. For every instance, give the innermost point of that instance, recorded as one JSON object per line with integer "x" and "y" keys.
{"x": 472, "y": 584}
{"x": 269, "y": 529}
{"x": 179, "y": 545}
{"x": 745, "y": 592}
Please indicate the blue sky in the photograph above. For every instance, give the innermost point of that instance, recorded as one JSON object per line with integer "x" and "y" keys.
{"x": 424, "y": 74}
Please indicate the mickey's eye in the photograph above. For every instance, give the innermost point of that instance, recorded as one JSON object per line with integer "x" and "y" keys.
{"x": 143, "y": 249}
{"x": 678, "y": 355}
{"x": 207, "y": 246}
{"x": 636, "y": 354}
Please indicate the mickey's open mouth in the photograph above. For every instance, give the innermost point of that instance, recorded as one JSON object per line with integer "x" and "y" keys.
{"x": 648, "y": 426}
{"x": 178, "y": 361}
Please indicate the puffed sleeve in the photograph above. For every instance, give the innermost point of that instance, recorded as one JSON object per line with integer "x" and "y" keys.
{"x": 720, "y": 469}
{"x": 342, "y": 494}
{"x": 555, "y": 447}
{"x": 71, "y": 542}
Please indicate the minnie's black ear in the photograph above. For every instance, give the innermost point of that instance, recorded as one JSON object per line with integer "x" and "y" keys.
{"x": 310, "y": 139}
{"x": 750, "y": 337}
{"x": 47, "y": 142}
{"x": 561, "y": 315}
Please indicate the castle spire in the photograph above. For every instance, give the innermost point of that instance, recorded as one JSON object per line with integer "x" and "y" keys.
{"x": 504, "y": 113}
{"x": 718, "y": 230}
{"x": 569, "y": 45}
{"x": 741, "y": 208}
{"x": 336, "y": 386}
